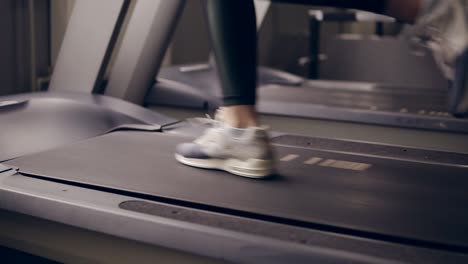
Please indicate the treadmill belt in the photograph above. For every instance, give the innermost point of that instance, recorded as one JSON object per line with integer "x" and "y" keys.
{"x": 377, "y": 98}
{"x": 363, "y": 103}
{"x": 391, "y": 197}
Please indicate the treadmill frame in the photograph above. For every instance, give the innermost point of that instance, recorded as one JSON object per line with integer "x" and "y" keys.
{"x": 99, "y": 211}
{"x": 76, "y": 206}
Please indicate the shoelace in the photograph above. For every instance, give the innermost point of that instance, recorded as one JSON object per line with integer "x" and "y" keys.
{"x": 208, "y": 120}
{"x": 210, "y": 123}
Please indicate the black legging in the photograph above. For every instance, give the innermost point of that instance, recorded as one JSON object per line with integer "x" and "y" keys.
{"x": 234, "y": 35}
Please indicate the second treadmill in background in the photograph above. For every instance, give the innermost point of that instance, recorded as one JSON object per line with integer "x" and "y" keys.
{"x": 376, "y": 96}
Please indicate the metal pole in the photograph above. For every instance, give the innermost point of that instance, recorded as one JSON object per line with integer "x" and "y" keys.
{"x": 88, "y": 42}
{"x": 144, "y": 45}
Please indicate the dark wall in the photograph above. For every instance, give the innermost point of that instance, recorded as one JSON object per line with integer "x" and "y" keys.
{"x": 24, "y": 44}
{"x": 7, "y": 47}
{"x": 284, "y": 33}
{"x": 191, "y": 42}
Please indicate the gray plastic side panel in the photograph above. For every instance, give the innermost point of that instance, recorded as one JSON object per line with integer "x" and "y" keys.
{"x": 114, "y": 104}
{"x": 98, "y": 211}
{"x": 35, "y": 122}
{"x": 85, "y": 45}
{"x": 143, "y": 48}
{"x": 386, "y": 60}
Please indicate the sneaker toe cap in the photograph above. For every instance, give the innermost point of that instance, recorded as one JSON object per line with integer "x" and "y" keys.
{"x": 191, "y": 150}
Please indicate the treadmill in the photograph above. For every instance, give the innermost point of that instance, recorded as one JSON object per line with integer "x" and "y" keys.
{"x": 197, "y": 86}
{"x": 103, "y": 165}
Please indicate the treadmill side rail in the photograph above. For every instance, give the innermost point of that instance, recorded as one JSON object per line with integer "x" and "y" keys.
{"x": 77, "y": 205}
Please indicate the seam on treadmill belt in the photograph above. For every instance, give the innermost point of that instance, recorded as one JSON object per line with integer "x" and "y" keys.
{"x": 171, "y": 124}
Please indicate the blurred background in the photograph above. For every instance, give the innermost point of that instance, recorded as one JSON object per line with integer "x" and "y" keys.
{"x": 373, "y": 51}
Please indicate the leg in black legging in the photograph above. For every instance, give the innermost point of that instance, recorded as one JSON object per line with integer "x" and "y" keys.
{"x": 233, "y": 29}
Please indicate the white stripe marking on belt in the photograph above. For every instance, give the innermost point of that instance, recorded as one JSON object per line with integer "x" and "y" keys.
{"x": 313, "y": 161}
{"x": 289, "y": 157}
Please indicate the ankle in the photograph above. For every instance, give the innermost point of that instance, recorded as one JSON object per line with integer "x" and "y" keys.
{"x": 240, "y": 116}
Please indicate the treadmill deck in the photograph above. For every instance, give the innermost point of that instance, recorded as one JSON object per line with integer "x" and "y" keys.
{"x": 361, "y": 195}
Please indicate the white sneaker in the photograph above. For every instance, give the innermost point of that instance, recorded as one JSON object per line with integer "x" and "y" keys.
{"x": 443, "y": 27}
{"x": 243, "y": 152}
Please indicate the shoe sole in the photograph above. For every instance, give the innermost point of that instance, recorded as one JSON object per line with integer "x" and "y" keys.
{"x": 252, "y": 168}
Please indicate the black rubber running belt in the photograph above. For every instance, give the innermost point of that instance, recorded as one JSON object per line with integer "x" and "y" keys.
{"x": 381, "y": 98}
{"x": 392, "y": 200}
